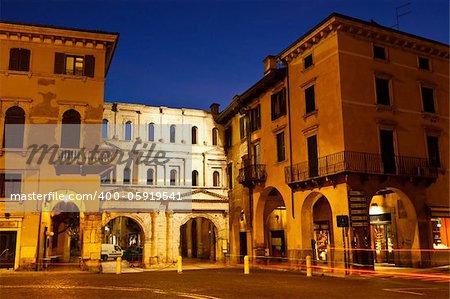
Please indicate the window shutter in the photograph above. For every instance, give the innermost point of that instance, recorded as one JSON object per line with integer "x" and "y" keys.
{"x": 274, "y": 105}
{"x": 283, "y": 102}
{"x": 14, "y": 59}
{"x": 59, "y": 63}
{"x": 24, "y": 63}
{"x": 89, "y": 65}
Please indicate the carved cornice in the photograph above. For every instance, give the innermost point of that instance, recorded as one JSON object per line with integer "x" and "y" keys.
{"x": 364, "y": 30}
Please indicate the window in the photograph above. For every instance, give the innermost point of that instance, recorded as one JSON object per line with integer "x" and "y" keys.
{"x": 255, "y": 118}
{"x": 228, "y": 137}
{"x": 14, "y": 127}
{"x": 382, "y": 90}
{"x": 215, "y": 136}
{"x": 428, "y": 100}
{"x": 216, "y": 179}
{"x": 75, "y": 65}
{"x": 151, "y": 132}
{"x": 194, "y": 131}
{"x": 308, "y": 61}
{"x": 172, "y": 133}
{"x": 278, "y": 101}
{"x": 10, "y": 183}
{"x": 379, "y": 52}
{"x": 173, "y": 177}
{"x": 230, "y": 175}
{"x": 128, "y": 130}
{"x": 424, "y": 63}
{"x": 433, "y": 151}
{"x": 242, "y": 132}
{"x": 126, "y": 176}
{"x": 310, "y": 99}
{"x": 19, "y": 59}
{"x": 281, "y": 151}
{"x": 195, "y": 178}
{"x": 105, "y": 129}
{"x": 441, "y": 232}
{"x": 70, "y": 131}
{"x": 150, "y": 176}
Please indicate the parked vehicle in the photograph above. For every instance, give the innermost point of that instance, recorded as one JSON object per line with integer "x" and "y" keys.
{"x": 111, "y": 251}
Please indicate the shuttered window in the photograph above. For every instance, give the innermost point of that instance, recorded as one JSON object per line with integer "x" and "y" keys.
{"x": 255, "y": 118}
{"x": 242, "y": 127}
{"x": 278, "y": 101}
{"x": 382, "y": 89}
{"x": 19, "y": 59}
{"x": 428, "y": 100}
{"x": 310, "y": 99}
{"x": 281, "y": 149}
{"x": 74, "y": 65}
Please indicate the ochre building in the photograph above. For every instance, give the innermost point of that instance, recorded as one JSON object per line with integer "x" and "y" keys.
{"x": 52, "y": 88}
{"x": 340, "y": 152}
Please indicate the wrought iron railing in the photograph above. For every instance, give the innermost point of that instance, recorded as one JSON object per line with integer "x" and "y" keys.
{"x": 358, "y": 162}
{"x": 254, "y": 173}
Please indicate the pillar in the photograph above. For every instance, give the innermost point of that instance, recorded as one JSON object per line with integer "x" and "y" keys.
{"x": 199, "y": 237}
{"x": 188, "y": 238}
{"x": 153, "y": 257}
{"x": 169, "y": 237}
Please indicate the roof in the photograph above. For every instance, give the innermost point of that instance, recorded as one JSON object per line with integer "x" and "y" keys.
{"x": 247, "y": 96}
{"x": 59, "y": 27}
{"x": 371, "y": 23}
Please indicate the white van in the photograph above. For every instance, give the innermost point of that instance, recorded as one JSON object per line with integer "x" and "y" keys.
{"x": 111, "y": 251}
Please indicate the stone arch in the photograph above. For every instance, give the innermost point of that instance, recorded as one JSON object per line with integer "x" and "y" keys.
{"x": 307, "y": 213}
{"x": 144, "y": 221}
{"x": 269, "y": 201}
{"x": 218, "y": 220}
{"x": 394, "y": 225}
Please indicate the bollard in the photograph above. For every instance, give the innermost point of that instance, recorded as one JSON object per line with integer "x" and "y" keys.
{"x": 246, "y": 265}
{"x": 308, "y": 266}
{"x": 119, "y": 265}
{"x": 179, "y": 264}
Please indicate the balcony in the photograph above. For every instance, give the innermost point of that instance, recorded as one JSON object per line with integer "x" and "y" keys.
{"x": 252, "y": 174}
{"x": 360, "y": 163}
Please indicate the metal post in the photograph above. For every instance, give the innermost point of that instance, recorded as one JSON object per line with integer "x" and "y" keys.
{"x": 119, "y": 265}
{"x": 308, "y": 266}
{"x": 179, "y": 264}
{"x": 246, "y": 265}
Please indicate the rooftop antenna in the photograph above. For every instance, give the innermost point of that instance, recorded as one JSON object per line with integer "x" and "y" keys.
{"x": 400, "y": 11}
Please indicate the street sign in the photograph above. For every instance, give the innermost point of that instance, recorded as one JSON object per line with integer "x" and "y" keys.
{"x": 342, "y": 220}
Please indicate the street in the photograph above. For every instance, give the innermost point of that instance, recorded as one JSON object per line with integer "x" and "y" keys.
{"x": 212, "y": 283}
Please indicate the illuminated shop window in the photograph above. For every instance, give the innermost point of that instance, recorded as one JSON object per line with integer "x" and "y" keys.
{"x": 441, "y": 232}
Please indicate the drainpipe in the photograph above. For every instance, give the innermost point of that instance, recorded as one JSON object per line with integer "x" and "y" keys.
{"x": 290, "y": 134}
{"x": 249, "y": 161}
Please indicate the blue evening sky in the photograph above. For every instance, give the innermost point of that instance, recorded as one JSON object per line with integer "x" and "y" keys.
{"x": 193, "y": 53}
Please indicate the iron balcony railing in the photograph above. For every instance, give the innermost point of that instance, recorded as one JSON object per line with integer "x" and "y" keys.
{"x": 364, "y": 163}
{"x": 251, "y": 174}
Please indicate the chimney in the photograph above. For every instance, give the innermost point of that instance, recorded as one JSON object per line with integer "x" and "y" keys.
{"x": 270, "y": 64}
{"x": 214, "y": 108}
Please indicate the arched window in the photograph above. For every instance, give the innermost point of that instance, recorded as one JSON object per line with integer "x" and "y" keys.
{"x": 215, "y": 136}
{"x": 151, "y": 132}
{"x": 150, "y": 176}
{"x": 194, "y": 135}
{"x": 105, "y": 124}
{"x": 128, "y": 130}
{"x": 126, "y": 176}
{"x": 172, "y": 133}
{"x": 216, "y": 179}
{"x": 173, "y": 177}
{"x": 70, "y": 132}
{"x": 195, "y": 178}
{"x": 14, "y": 127}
